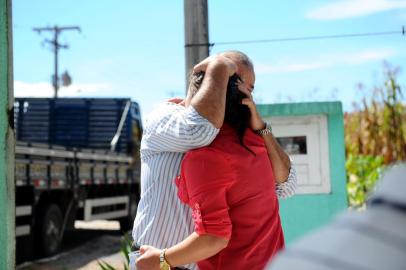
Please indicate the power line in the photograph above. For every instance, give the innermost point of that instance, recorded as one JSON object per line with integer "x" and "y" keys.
{"x": 304, "y": 38}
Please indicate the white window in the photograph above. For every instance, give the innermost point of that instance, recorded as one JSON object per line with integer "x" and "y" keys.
{"x": 305, "y": 138}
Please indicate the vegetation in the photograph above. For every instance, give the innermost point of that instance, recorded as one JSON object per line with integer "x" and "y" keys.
{"x": 362, "y": 174}
{"x": 125, "y": 250}
{"x": 375, "y": 136}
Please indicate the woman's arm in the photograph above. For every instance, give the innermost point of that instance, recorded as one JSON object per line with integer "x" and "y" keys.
{"x": 194, "y": 248}
{"x": 208, "y": 175}
{"x": 279, "y": 159}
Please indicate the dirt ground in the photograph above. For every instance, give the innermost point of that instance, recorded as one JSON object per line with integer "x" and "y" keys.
{"x": 82, "y": 249}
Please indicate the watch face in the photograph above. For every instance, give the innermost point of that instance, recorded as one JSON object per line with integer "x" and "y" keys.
{"x": 268, "y": 126}
{"x": 164, "y": 266}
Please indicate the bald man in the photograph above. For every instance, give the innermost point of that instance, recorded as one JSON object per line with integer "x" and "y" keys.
{"x": 174, "y": 128}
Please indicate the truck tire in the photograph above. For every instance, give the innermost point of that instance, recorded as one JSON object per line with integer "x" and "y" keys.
{"x": 49, "y": 230}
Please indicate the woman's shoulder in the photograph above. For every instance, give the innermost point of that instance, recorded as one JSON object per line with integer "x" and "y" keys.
{"x": 207, "y": 166}
{"x": 207, "y": 153}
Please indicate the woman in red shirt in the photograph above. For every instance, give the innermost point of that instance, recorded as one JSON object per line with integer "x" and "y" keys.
{"x": 230, "y": 186}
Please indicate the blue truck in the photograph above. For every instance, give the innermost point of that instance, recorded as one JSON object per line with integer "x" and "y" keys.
{"x": 76, "y": 159}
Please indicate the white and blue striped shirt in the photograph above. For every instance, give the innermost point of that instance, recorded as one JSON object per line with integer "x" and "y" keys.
{"x": 171, "y": 130}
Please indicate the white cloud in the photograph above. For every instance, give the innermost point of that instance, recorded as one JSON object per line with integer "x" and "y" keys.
{"x": 353, "y": 8}
{"x": 324, "y": 61}
{"x": 44, "y": 89}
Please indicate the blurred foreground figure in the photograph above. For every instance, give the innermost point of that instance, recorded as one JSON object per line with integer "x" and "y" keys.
{"x": 373, "y": 239}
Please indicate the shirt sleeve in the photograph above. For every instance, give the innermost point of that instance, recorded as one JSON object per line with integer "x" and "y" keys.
{"x": 288, "y": 188}
{"x": 208, "y": 176}
{"x": 174, "y": 130}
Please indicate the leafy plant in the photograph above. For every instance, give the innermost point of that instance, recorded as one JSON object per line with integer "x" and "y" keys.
{"x": 125, "y": 250}
{"x": 362, "y": 174}
{"x": 105, "y": 266}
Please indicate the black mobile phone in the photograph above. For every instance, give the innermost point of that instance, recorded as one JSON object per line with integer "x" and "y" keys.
{"x": 135, "y": 247}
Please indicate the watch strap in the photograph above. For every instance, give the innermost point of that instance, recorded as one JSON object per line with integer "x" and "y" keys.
{"x": 266, "y": 131}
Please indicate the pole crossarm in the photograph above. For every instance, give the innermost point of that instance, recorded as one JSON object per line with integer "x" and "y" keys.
{"x": 56, "y": 28}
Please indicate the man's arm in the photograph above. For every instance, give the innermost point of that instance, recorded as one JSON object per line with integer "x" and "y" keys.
{"x": 170, "y": 129}
{"x": 210, "y": 100}
{"x": 288, "y": 188}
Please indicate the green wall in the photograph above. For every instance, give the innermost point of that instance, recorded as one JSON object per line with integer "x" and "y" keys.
{"x": 303, "y": 213}
{"x": 7, "y": 205}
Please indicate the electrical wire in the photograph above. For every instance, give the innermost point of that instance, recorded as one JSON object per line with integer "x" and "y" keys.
{"x": 304, "y": 38}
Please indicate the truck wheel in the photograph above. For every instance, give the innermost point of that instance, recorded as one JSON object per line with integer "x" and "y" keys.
{"x": 49, "y": 228}
{"x": 127, "y": 222}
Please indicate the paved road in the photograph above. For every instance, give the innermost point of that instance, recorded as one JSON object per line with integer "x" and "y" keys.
{"x": 82, "y": 249}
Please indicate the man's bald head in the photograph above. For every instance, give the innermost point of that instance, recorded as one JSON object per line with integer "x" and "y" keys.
{"x": 239, "y": 57}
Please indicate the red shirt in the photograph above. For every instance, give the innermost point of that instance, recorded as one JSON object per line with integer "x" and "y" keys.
{"x": 232, "y": 194}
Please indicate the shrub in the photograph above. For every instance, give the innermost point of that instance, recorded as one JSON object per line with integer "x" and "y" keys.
{"x": 362, "y": 174}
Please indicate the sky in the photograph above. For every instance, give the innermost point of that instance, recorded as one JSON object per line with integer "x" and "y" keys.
{"x": 135, "y": 49}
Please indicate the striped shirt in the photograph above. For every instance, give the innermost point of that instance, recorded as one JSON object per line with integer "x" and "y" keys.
{"x": 171, "y": 130}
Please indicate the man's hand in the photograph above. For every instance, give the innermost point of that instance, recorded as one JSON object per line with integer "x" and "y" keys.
{"x": 149, "y": 259}
{"x": 202, "y": 66}
{"x": 256, "y": 122}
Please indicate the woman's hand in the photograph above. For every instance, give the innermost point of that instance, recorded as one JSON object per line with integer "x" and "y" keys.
{"x": 256, "y": 122}
{"x": 279, "y": 159}
{"x": 149, "y": 259}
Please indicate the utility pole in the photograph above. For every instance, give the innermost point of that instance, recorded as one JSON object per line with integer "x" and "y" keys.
{"x": 55, "y": 47}
{"x": 7, "y": 143}
{"x": 196, "y": 33}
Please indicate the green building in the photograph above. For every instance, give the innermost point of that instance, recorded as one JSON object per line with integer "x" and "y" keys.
{"x": 313, "y": 134}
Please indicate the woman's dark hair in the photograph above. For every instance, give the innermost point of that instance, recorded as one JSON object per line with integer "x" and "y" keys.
{"x": 237, "y": 115}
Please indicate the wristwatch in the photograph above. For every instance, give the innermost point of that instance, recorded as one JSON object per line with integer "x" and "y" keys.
{"x": 266, "y": 131}
{"x": 163, "y": 264}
